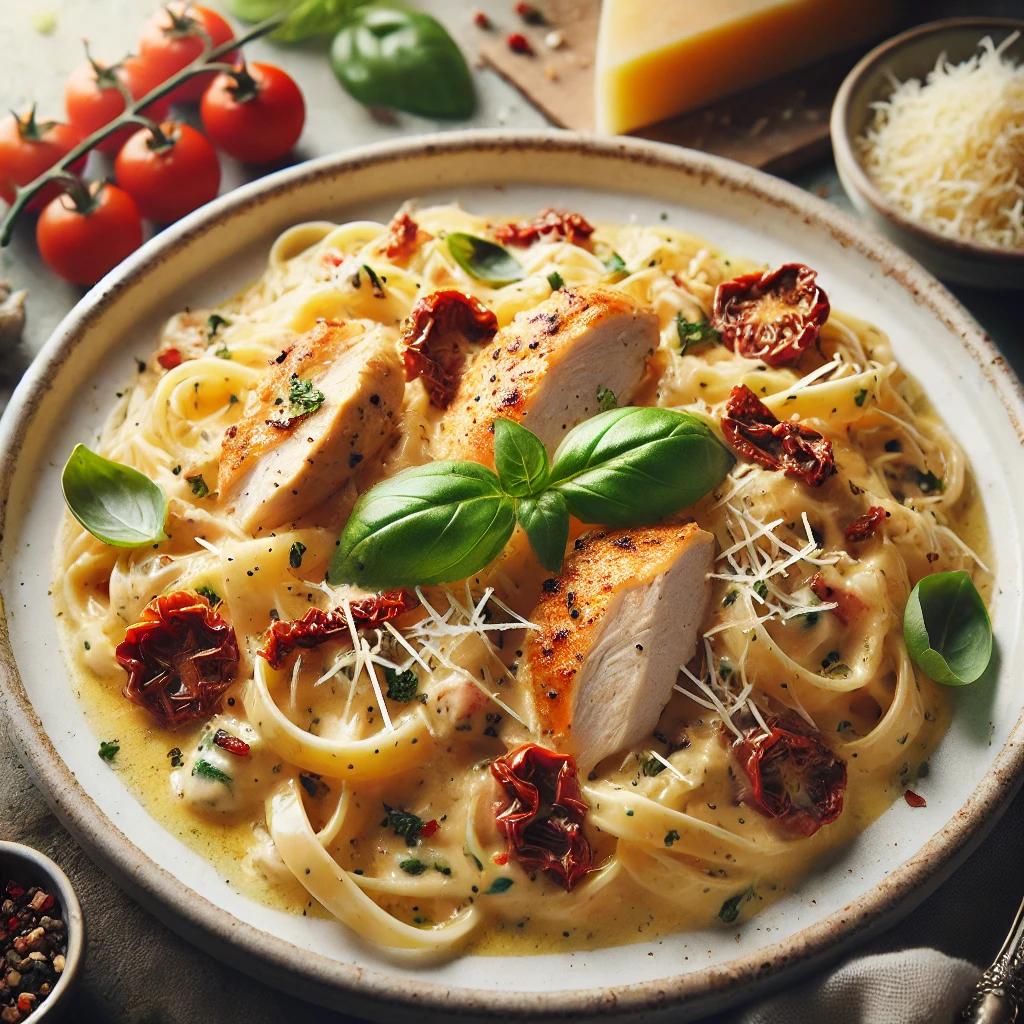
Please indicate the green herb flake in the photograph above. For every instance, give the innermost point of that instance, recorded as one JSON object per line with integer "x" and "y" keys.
{"x": 404, "y": 824}
{"x": 731, "y": 907}
{"x": 295, "y": 553}
{"x": 402, "y": 686}
{"x": 214, "y": 322}
{"x": 929, "y": 483}
{"x": 606, "y": 399}
{"x": 312, "y": 783}
{"x": 498, "y": 886}
{"x": 616, "y": 267}
{"x": 671, "y": 836}
{"x": 761, "y": 589}
{"x": 440, "y": 866}
{"x": 223, "y": 352}
{"x": 108, "y": 749}
{"x": 694, "y": 332}
{"x": 860, "y": 397}
{"x": 198, "y": 485}
{"x": 210, "y": 594}
{"x": 204, "y": 770}
{"x": 811, "y": 619}
{"x": 555, "y": 280}
{"x": 730, "y": 598}
{"x": 303, "y": 398}
{"x": 375, "y": 286}
{"x": 412, "y": 866}
{"x": 651, "y": 766}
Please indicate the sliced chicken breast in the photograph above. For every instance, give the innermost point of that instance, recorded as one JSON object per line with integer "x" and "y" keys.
{"x": 545, "y": 368}
{"x": 615, "y": 627}
{"x": 290, "y": 451}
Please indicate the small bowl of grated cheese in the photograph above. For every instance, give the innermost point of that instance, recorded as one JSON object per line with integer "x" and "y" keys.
{"x": 928, "y": 137}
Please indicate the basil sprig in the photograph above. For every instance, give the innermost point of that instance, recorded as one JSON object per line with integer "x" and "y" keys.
{"x": 447, "y": 520}
{"x": 391, "y": 57}
{"x": 947, "y": 628}
{"x": 115, "y": 503}
{"x": 486, "y": 261}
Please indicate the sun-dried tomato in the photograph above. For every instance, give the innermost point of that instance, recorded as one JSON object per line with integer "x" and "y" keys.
{"x": 847, "y": 606}
{"x": 169, "y": 358}
{"x": 180, "y": 658}
{"x": 754, "y": 431}
{"x": 232, "y": 744}
{"x": 318, "y": 626}
{"x": 914, "y": 799}
{"x": 429, "y": 828}
{"x": 863, "y": 526}
{"x": 573, "y": 227}
{"x": 774, "y": 316}
{"x": 433, "y": 335}
{"x": 403, "y": 236}
{"x": 793, "y": 775}
{"x": 543, "y": 819}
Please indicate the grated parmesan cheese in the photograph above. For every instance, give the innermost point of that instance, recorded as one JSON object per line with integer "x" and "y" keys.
{"x": 950, "y": 151}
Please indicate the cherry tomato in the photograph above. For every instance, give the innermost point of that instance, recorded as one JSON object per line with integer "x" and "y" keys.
{"x": 170, "y": 176}
{"x": 83, "y": 237}
{"x": 92, "y": 98}
{"x": 254, "y": 113}
{"x": 27, "y": 148}
{"x": 173, "y": 37}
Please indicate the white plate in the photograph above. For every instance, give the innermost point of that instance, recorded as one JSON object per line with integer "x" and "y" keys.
{"x": 69, "y": 389}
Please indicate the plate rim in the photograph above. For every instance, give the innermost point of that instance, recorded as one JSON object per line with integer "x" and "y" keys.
{"x": 373, "y": 990}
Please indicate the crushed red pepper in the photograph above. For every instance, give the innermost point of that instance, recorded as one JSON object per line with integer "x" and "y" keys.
{"x": 169, "y": 358}
{"x": 573, "y": 227}
{"x": 433, "y": 336}
{"x": 914, "y": 799}
{"x": 755, "y": 432}
{"x": 774, "y": 316}
{"x": 232, "y": 744}
{"x": 864, "y": 526}
{"x": 180, "y": 658}
{"x": 318, "y": 626}
{"x": 542, "y": 818}
{"x": 794, "y": 777}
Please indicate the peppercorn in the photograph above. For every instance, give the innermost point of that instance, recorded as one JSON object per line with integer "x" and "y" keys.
{"x": 33, "y": 947}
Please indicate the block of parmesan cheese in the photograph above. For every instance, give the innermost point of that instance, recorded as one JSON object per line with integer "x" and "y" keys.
{"x": 655, "y": 60}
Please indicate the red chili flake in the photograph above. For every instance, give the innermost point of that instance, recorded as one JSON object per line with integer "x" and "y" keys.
{"x": 914, "y": 799}
{"x": 403, "y": 236}
{"x": 543, "y": 819}
{"x": 481, "y": 20}
{"x": 754, "y": 431}
{"x": 180, "y": 658}
{"x": 317, "y": 626}
{"x": 793, "y": 775}
{"x": 169, "y": 358}
{"x": 774, "y": 316}
{"x": 863, "y": 526}
{"x": 232, "y": 744}
{"x": 13, "y": 924}
{"x": 433, "y": 334}
{"x": 331, "y": 258}
{"x": 573, "y": 227}
{"x": 847, "y": 606}
{"x": 518, "y": 43}
{"x": 501, "y": 859}
{"x": 429, "y": 828}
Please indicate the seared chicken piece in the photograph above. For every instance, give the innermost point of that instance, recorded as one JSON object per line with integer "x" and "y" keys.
{"x": 291, "y": 450}
{"x": 615, "y": 627}
{"x": 545, "y": 368}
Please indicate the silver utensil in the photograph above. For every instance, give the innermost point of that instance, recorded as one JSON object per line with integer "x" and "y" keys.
{"x": 999, "y": 995}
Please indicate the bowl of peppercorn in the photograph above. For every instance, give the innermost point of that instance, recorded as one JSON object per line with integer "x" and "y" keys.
{"x": 42, "y": 936}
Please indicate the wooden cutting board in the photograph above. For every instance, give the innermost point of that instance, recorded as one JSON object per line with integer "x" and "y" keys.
{"x": 777, "y": 126}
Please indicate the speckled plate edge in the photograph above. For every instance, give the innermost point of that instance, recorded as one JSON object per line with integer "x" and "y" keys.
{"x": 376, "y": 993}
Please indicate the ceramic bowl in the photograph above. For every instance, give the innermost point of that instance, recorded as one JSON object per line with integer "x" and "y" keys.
{"x": 912, "y": 55}
{"x": 30, "y": 867}
{"x": 206, "y": 258}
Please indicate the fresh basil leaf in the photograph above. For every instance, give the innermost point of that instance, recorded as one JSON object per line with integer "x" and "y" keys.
{"x": 428, "y": 524}
{"x": 520, "y": 459}
{"x": 389, "y": 57}
{"x": 115, "y": 503}
{"x": 631, "y": 466}
{"x": 305, "y": 18}
{"x": 486, "y": 261}
{"x": 947, "y": 628}
{"x": 546, "y": 522}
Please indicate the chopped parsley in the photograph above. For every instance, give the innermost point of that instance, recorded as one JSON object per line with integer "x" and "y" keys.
{"x": 404, "y": 824}
{"x": 860, "y": 396}
{"x": 303, "y": 398}
{"x": 108, "y": 749}
{"x": 198, "y": 485}
{"x": 731, "y": 907}
{"x": 498, "y": 886}
{"x": 439, "y": 865}
{"x": 555, "y": 280}
{"x": 375, "y": 285}
{"x": 730, "y": 598}
{"x": 214, "y": 322}
{"x": 412, "y": 866}
{"x": 616, "y": 267}
{"x": 205, "y": 770}
{"x": 210, "y": 594}
{"x": 651, "y": 766}
{"x": 402, "y": 686}
{"x": 175, "y": 755}
{"x": 929, "y": 482}
{"x": 761, "y": 589}
{"x": 694, "y": 332}
{"x": 606, "y": 399}
{"x": 223, "y": 352}
{"x": 671, "y": 836}
{"x": 298, "y": 549}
